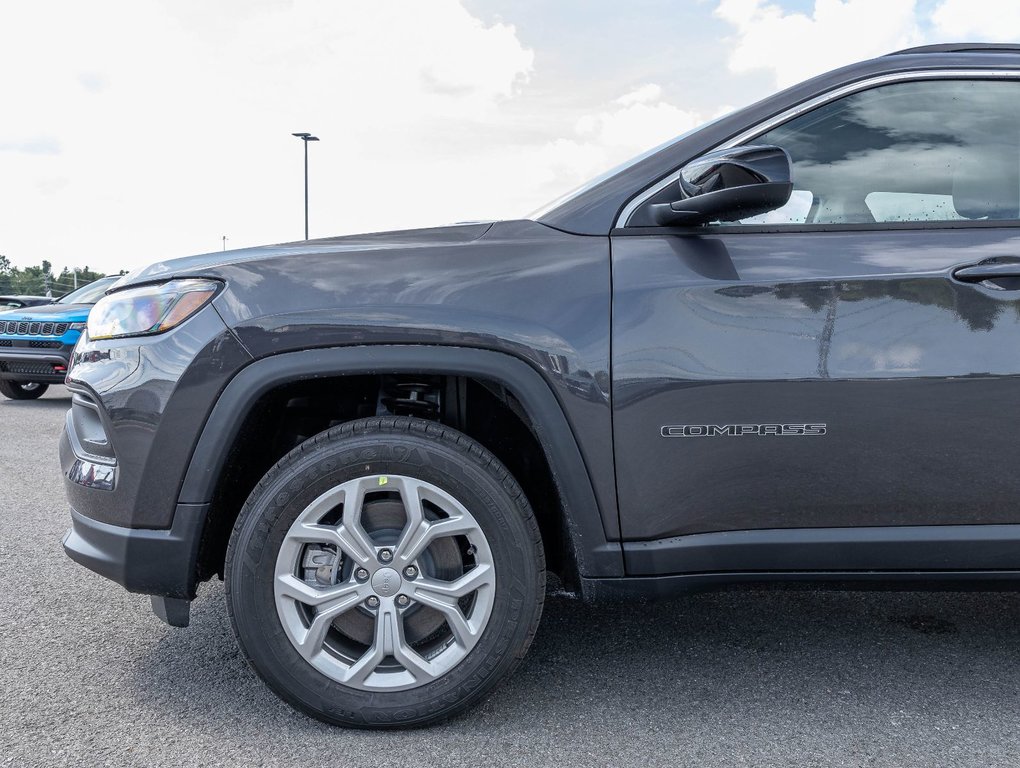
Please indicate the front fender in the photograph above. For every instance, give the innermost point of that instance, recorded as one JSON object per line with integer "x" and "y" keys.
{"x": 595, "y": 553}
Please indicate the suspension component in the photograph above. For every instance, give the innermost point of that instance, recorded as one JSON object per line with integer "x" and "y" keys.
{"x": 411, "y": 398}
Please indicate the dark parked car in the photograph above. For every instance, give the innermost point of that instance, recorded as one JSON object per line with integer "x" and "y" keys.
{"x": 17, "y": 302}
{"x": 36, "y": 342}
{"x": 781, "y": 348}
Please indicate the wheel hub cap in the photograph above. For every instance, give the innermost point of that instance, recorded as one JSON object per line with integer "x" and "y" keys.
{"x": 386, "y": 582}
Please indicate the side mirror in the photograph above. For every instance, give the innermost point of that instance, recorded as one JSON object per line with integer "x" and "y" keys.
{"x": 727, "y": 185}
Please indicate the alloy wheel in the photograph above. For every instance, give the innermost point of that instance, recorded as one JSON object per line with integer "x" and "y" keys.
{"x": 384, "y": 582}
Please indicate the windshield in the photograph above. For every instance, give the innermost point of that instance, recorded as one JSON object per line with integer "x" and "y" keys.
{"x": 88, "y": 294}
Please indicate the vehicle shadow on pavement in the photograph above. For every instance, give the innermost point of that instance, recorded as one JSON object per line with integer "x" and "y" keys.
{"x": 693, "y": 681}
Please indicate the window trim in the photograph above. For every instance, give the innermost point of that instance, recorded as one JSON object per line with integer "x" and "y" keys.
{"x": 765, "y": 126}
{"x": 810, "y": 229}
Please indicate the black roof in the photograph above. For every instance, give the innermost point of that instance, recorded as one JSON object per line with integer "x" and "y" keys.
{"x": 960, "y": 48}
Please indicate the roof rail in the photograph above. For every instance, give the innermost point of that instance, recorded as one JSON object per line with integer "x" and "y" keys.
{"x": 961, "y": 48}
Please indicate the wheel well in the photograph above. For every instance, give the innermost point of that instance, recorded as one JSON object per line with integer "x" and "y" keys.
{"x": 290, "y": 414}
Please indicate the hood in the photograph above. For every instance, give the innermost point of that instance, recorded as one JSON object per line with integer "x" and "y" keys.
{"x": 408, "y": 238}
{"x": 50, "y": 313}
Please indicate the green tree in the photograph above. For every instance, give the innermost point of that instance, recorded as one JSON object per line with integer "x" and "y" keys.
{"x": 6, "y": 283}
{"x": 65, "y": 281}
{"x": 37, "y": 280}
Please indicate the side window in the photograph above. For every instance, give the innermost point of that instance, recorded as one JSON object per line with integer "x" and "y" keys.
{"x": 935, "y": 150}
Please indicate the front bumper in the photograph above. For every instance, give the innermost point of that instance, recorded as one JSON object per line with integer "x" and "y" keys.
{"x": 162, "y": 564}
{"x": 45, "y": 365}
{"x": 137, "y": 408}
{"x": 152, "y": 562}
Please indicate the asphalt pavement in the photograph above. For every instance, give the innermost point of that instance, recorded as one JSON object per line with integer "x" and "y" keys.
{"x": 88, "y": 676}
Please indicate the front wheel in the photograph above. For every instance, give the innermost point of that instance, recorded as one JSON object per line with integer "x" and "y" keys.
{"x": 388, "y": 572}
{"x": 22, "y": 390}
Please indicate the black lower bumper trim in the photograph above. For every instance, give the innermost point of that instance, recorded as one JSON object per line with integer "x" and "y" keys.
{"x": 46, "y": 366}
{"x": 153, "y": 562}
{"x": 33, "y": 378}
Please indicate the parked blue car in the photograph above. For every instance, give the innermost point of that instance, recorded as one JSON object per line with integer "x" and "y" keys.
{"x": 36, "y": 342}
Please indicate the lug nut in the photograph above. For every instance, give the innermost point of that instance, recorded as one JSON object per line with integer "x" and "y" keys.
{"x": 372, "y": 602}
{"x": 386, "y": 555}
{"x": 361, "y": 574}
{"x": 403, "y": 600}
{"x": 410, "y": 571}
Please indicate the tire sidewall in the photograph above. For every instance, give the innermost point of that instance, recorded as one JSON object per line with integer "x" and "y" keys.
{"x": 15, "y": 390}
{"x": 301, "y": 478}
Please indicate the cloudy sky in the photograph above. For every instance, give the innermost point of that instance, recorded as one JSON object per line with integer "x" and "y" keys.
{"x": 136, "y": 130}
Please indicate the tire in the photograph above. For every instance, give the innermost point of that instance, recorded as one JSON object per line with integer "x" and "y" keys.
{"x": 329, "y": 525}
{"x": 18, "y": 390}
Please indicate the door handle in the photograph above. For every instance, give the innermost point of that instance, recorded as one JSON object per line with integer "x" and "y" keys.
{"x": 990, "y": 271}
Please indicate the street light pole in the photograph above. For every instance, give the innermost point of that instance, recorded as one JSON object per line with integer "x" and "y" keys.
{"x": 306, "y": 137}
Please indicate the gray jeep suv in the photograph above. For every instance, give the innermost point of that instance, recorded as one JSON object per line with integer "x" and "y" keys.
{"x": 781, "y": 348}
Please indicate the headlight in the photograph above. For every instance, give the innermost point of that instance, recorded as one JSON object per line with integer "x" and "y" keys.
{"x": 148, "y": 309}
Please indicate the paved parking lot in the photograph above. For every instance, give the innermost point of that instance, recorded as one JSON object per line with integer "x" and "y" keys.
{"x": 793, "y": 678}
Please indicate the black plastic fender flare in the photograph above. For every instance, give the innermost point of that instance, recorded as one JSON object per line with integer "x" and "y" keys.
{"x": 595, "y": 555}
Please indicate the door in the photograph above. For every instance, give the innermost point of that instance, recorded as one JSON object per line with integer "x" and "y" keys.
{"x": 848, "y": 360}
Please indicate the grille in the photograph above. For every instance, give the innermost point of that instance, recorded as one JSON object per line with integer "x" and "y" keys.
{"x": 27, "y": 368}
{"x": 16, "y": 328}
{"x": 44, "y": 344}
{"x": 6, "y": 343}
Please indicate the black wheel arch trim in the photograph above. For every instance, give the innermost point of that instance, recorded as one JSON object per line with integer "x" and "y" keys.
{"x": 595, "y": 554}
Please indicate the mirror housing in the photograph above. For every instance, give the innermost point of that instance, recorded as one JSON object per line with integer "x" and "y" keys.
{"x": 727, "y": 185}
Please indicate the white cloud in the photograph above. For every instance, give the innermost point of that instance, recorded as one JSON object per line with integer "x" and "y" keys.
{"x": 649, "y": 92}
{"x": 36, "y": 145}
{"x": 139, "y": 130}
{"x": 618, "y": 131}
{"x": 135, "y": 130}
{"x": 990, "y": 20}
{"x": 795, "y": 46}
{"x": 634, "y": 122}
